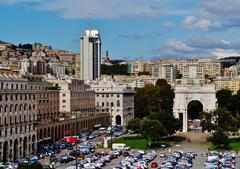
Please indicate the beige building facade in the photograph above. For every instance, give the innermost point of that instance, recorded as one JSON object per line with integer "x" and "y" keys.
{"x": 18, "y": 108}
{"x": 115, "y": 98}
{"x": 228, "y": 83}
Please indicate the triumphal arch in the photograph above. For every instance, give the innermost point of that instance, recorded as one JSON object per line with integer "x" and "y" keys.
{"x": 184, "y": 94}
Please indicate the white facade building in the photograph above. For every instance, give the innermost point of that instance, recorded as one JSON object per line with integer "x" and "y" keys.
{"x": 23, "y": 65}
{"x": 164, "y": 71}
{"x": 58, "y": 69}
{"x": 115, "y": 98}
{"x": 90, "y": 60}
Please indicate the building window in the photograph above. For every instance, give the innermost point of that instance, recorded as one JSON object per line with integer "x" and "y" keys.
{"x": 102, "y": 103}
{"x": 118, "y": 103}
{"x": 64, "y": 94}
{"x": 118, "y": 95}
{"x": 112, "y": 104}
{"x": 107, "y": 95}
{"x": 97, "y": 103}
{"x": 64, "y": 101}
{"x": 102, "y": 95}
{"x": 107, "y": 103}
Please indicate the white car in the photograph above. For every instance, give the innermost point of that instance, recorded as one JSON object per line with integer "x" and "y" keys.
{"x": 89, "y": 166}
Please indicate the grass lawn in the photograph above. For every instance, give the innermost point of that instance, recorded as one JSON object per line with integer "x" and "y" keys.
{"x": 234, "y": 144}
{"x": 138, "y": 142}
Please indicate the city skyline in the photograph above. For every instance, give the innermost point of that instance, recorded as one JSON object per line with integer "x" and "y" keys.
{"x": 153, "y": 29}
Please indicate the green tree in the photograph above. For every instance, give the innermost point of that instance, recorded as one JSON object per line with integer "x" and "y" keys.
{"x": 161, "y": 82}
{"x": 152, "y": 130}
{"x": 220, "y": 139}
{"x": 224, "y": 98}
{"x": 115, "y": 69}
{"x": 224, "y": 120}
{"x": 207, "y": 121}
{"x": 140, "y": 103}
{"x": 134, "y": 125}
{"x": 170, "y": 124}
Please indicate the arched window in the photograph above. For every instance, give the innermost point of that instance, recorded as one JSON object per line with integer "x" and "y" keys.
{"x": 5, "y": 109}
{"x": 11, "y": 108}
{"x": 118, "y": 103}
{"x": 16, "y": 106}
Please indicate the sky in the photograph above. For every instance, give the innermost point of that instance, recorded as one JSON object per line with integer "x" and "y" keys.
{"x": 130, "y": 29}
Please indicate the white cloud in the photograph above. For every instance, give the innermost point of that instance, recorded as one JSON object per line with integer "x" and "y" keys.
{"x": 169, "y": 25}
{"x": 179, "y": 46}
{"x": 200, "y": 24}
{"x": 222, "y": 53}
{"x": 106, "y": 9}
{"x": 197, "y": 47}
{"x": 189, "y": 21}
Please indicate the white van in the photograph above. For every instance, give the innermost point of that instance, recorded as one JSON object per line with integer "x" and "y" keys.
{"x": 119, "y": 146}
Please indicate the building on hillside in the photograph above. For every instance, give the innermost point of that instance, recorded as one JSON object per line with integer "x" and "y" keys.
{"x": 23, "y": 65}
{"x": 231, "y": 71}
{"x": 164, "y": 71}
{"x": 228, "y": 83}
{"x": 76, "y": 65}
{"x": 134, "y": 67}
{"x": 115, "y": 98}
{"x": 90, "y": 60}
{"x": 193, "y": 72}
{"x": 212, "y": 68}
{"x": 38, "y": 46}
{"x": 56, "y": 69}
{"x": 5, "y": 46}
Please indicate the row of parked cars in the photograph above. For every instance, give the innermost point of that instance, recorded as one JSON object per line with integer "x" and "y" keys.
{"x": 178, "y": 160}
{"x": 97, "y": 160}
{"x": 220, "y": 160}
{"x": 82, "y": 150}
{"x": 144, "y": 159}
{"x": 137, "y": 160}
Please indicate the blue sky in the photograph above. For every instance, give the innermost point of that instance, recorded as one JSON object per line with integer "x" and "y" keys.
{"x": 130, "y": 29}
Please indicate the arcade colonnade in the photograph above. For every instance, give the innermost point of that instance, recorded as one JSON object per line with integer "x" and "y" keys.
{"x": 184, "y": 94}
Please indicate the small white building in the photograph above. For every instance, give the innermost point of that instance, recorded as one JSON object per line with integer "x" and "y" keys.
{"x": 58, "y": 69}
{"x": 116, "y": 98}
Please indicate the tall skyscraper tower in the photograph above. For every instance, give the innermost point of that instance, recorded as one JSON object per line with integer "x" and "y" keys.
{"x": 90, "y": 59}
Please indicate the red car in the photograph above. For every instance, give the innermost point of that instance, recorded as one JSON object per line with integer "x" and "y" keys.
{"x": 154, "y": 165}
